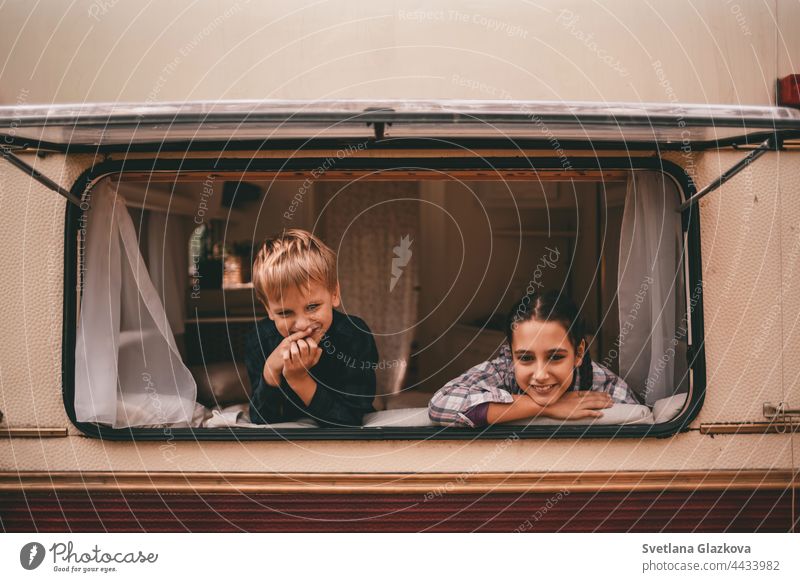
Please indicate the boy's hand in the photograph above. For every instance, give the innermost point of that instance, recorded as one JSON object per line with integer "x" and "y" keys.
{"x": 300, "y": 357}
{"x": 273, "y": 367}
{"x": 576, "y": 405}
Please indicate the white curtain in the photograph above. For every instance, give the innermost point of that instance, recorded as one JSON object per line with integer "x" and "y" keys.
{"x": 372, "y": 228}
{"x": 128, "y": 371}
{"x": 167, "y": 263}
{"x": 652, "y": 343}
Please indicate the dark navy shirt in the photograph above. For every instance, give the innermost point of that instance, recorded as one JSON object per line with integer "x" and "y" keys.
{"x": 345, "y": 376}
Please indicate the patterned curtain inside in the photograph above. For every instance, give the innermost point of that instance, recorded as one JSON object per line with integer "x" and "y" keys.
{"x": 372, "y": 227}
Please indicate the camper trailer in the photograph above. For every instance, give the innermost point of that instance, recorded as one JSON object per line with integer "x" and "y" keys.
{"x": 128, "y": 239}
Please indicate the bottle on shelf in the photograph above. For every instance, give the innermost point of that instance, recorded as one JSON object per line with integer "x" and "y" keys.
{"x": 210, "y": 263}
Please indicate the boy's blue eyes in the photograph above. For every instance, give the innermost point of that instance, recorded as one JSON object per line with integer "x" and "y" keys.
{"x": 312, "y": 307}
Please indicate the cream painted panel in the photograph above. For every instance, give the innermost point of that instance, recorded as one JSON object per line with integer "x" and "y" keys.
{"x": 787, "y": 345}
{"x": 789, "y": 335}
{"x": 790, "y": 225}
{"x": 689, "y": 451}
{"x": 31, "y": 391}
{"x": 789, "y": 63}
{"x": 684, "y": 50}
{"x": 741, "y": 230}
{"x": 32, "y": 263}
{"x": 788, "y": 39}
{"x": 741, "y": 253}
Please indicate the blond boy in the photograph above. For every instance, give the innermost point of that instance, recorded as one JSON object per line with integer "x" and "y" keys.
{"x": 307, "y": 359}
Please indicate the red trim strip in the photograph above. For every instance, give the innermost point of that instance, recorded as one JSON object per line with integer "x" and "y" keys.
{"x": 669, "y": 511}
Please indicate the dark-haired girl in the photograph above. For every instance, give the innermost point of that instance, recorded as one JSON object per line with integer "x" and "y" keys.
{"x": 543, "y": 370}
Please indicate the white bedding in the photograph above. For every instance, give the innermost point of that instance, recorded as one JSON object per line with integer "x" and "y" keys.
{"x": 237, "y": 416}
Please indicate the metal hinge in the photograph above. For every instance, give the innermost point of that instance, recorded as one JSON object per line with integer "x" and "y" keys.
{"x": 779, "y": 412}
{"x": 379, "y": 127}
{"x": 780, "y": 420}
{"x": 5, "y": 152}
{"x": 771, "y": 144}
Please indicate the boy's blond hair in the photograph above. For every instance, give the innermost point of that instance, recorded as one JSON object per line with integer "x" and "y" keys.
{"x": 293, "y": 258}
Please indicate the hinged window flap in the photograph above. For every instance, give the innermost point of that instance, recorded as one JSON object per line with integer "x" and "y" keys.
{"x": 101, "y": 126}
{"x": 37, "y": 175}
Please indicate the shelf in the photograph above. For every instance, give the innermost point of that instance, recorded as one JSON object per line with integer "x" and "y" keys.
{"x": 537, "y": 233}
{"x": 472, "y": 328}
{"x": 221, "y": 319}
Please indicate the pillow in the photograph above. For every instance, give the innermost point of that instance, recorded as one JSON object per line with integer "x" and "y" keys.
{"x": 617, "y": 414}
{"x": 140, "y": 414}
{"x": 238, "y": 415}
{"x": 222, "y": 384}
{"x": 669, "y": 407}
{"x": 398, "y": 417}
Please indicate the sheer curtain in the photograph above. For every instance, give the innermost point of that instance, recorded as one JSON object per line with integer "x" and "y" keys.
{"x": 128, "y": 371}
{"x": 167, "y": 254}
{"x": 372, "y": 228}
{"x": 652, "y": 343}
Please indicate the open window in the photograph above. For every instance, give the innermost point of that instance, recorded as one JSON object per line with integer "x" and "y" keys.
{"x": 494, "y": 196}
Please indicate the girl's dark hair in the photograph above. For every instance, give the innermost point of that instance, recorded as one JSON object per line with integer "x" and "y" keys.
{"x": 553, "y": 306}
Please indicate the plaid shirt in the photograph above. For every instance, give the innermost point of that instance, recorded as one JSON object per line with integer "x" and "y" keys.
{"x": 494, "y": 381}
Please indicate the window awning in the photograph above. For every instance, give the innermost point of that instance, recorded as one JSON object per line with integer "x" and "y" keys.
{"x": 110, "y": 126}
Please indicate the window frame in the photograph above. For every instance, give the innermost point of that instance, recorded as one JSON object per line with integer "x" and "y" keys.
{"x": 692, "y": 271}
